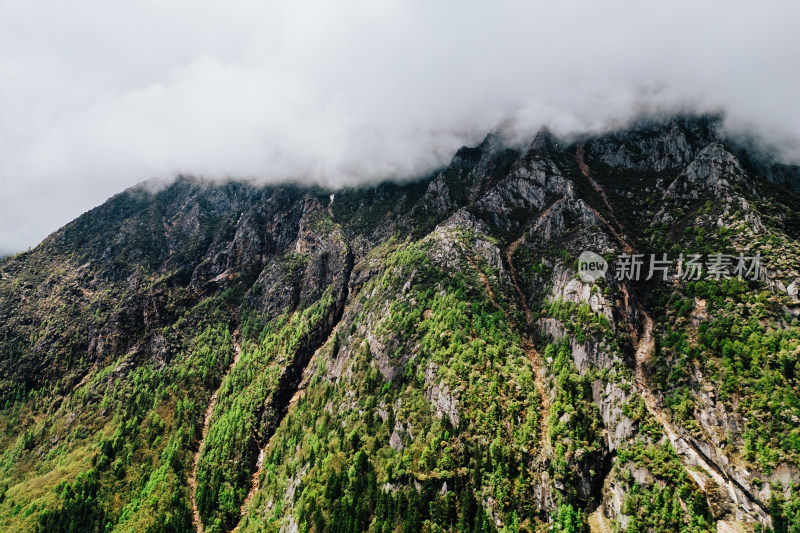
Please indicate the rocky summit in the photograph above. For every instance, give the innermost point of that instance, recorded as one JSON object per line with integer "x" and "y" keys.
{"x": 430, "y": 356}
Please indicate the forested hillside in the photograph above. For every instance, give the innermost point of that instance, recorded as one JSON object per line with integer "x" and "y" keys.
{"x": 413, "y": 357}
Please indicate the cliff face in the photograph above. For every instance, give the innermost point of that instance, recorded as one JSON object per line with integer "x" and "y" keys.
{"x": 416, "y": 357}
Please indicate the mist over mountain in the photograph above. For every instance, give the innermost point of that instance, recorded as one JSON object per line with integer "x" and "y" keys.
{"x": 399, "y": 266}
{"x": 99, "y": 97}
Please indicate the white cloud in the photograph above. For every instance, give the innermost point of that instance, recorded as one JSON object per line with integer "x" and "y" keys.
{"x": 97, "y": 96}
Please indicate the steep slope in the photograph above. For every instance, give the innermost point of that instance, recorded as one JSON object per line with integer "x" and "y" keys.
{"x": 211, "y": 357}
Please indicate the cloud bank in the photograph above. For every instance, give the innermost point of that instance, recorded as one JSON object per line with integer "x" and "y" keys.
{"x": 97, "y": 96}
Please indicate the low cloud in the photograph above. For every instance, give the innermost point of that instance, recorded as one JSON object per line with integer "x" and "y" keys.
{"x": 98, "y": 96}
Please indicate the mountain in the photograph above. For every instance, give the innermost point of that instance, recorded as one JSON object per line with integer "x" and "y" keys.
{"x": 429, "y": 356}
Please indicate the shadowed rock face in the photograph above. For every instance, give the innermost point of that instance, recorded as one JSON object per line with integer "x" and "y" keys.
{"x": 430, "y": 338}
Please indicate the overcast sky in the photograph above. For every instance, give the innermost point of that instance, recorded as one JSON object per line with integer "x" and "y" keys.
{"x": 96, "y": 96}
